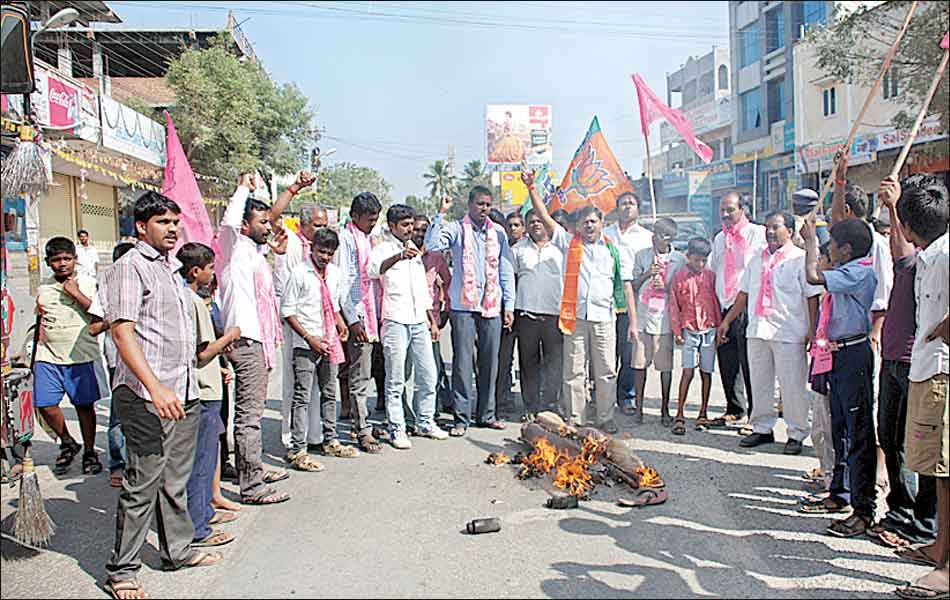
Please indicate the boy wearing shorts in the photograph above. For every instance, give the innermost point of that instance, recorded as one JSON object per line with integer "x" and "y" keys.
{"x": 695, "y": 316}
{"x": 65, "y": 353}
{"x": 923, "y": 216}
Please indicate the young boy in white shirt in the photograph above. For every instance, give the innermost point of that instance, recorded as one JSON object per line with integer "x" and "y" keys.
{"x": 409, "y": 325}
{"x": 311, "y": 307}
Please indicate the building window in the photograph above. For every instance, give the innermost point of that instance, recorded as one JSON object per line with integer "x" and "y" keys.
{"x": 891, "y": 84}
{"x": 829, "y": 105}
{"x": 814, "y": 12}
{"x": 723, "y": 77}
{"x": 775, "y": 29}
{"x": 751, "y": 103}
{"x": 776, "y": 94}
{"x": 749, "y": 45}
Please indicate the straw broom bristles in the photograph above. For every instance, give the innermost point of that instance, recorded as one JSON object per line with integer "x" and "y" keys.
{"x": 32, "y": 525}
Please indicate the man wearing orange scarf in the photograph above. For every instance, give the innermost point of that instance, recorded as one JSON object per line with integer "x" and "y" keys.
{"x": 593, "y": 290}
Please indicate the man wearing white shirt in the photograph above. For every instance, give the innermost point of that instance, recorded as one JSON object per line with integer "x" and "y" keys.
{"x": 630, "y": 238}
{"x": 776, "y": 296}
{"x": 409, "y": 327}
{"x": 733, "y": 247}
{"x": 87, "y": 258}
{"x": 317, "y": 333}
{"x": 312, "y": 218}
{"x": 923, "y": 219}
{"x": 538, "y": 266}
{"x": 249, "y": 302}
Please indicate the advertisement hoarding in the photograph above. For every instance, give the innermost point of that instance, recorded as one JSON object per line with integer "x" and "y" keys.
{"x": 513, "y": 190}
{"x": 516, "y": 132}
{"x": 126, "y": 131}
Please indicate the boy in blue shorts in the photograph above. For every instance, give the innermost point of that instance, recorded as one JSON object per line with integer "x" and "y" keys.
{"x": 694, "y": 317}
{"x": 65, "y": 352}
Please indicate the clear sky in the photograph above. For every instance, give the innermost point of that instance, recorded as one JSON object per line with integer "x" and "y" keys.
{"x": 397, "y": 83}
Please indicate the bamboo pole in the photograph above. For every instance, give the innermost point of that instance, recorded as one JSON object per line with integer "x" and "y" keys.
{"x": 650, "y": 179}
{"x": 920, "y": 116}
{"x": 867, "y": 101}
{"x": 755, "y": 182}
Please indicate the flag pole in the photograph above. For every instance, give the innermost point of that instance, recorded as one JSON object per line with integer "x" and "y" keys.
{"x": 846, "y": 148}
{"x": 920, "y": 116}
{"x": 650, "y": 179}
{"x": 755, "y": 182}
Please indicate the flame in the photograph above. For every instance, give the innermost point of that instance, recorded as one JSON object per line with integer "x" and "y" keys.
{"x": 544, "y": 458}
{"x": 648, "y": 476}
{"x": 573, "y": 475}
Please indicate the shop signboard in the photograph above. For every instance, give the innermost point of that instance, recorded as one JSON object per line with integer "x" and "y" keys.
{"x": 704, "y": 118}
{"x": 930, "y": 130}
{"x": 675, "y": 184}
{"x": 129, "y": 132}
{"x": 822, "y": 154}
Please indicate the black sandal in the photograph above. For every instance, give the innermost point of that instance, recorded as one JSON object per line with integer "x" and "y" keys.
{"x": 91, "y": 464}
{"x": 67, "y": 453}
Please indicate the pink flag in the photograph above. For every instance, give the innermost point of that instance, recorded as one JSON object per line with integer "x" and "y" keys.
{"x": 945, "y": 44}
{"x": 651, "y": 109}
{"x": 180, "y": 185}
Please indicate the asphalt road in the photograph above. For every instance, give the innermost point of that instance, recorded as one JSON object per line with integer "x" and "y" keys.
{"x": 391, "y": 526}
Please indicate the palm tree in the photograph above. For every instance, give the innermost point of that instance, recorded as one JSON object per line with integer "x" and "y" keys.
{"x": 441, "y": 181}
{"x": 473, "y": 171}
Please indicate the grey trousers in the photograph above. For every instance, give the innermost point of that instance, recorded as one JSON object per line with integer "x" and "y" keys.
{"x": 250, "y": 392}
{"x": 315, "y": 377}
{"x": 360, "y": 359}
{"x": 594, "y": 342}
{"x": 160, "y": 455}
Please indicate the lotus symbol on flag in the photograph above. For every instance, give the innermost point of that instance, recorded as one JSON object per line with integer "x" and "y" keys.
{"x": 589, "y": 178}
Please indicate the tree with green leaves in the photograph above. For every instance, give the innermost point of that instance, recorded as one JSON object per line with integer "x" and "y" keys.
{"x": 854, "y": 47}
{"x": 422, "y": 205}
{"x": 232, "y": 118}
{"x": 473, "y": 173}
{"x": 338, "y": 184}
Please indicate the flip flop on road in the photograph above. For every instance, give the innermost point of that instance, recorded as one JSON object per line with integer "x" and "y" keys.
{"x": 275, "y": 476}
{"x": 215, "y": 538}
{"x": 679, "y": 426}
{"x": 647, "y": 497}
{"x": 822, "y": 506}
{"x": 127, "y": 589}
{"x": 202, "y": 559}
{"x": 222, "y": 517}
{"x": 918, "y": 592}
{"x": 888, "y": 538}
{"x": 268, "y": 496}
{"x": 916, "y": 555}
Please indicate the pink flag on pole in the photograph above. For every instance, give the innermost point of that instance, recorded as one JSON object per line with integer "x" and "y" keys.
{"x": 181, "y": 186}
{"x": 651, "y": 109}
{"x": 945, "y": 43}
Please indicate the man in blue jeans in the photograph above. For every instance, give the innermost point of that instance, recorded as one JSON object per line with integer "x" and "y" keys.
{"x": 482, "y": 296}
{"x": 409, "y": 325}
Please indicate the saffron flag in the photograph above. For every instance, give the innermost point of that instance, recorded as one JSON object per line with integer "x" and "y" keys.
{"x": 945, "y": 43}
{"x": 651, "y": 109}
{"x": 181, "y": 186}
{"x": 593, "y": 177}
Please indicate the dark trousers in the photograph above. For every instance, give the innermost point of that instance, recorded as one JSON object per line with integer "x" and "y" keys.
{"x": 250, "y": 391}
{"x": 506, "y": 355}
{"x": 201, "y": 483}
{"x": 733, "y": 359}
{"x": 225, "y": 448}
{"x": 625, "y": 390}
{"x": 912, "y": 500}
{"x": 852, "y": 428}
{"x": 359, "y": 359}
{"x": 541, "y": 355}
{"x": 314, "y": 377}
{"x": 159, "y": 457}
{"x": 443, "y": 387}
{"x": 474, "y": 334}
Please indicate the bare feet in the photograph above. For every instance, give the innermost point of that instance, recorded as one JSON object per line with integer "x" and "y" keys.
{"x": 222, "y": 503}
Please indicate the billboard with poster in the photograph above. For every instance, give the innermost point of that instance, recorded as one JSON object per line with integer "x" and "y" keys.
{"x": 513, "y": 190}
{"x": 518, "y": 132}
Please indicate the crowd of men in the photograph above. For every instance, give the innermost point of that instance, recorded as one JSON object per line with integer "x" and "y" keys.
{"x": 589, "y": 308}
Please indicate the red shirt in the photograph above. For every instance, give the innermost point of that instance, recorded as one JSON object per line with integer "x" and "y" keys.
{"x": 693, "y": 302}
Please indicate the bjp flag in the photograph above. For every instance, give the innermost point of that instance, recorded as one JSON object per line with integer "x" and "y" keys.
{"x": 593, "y": 177}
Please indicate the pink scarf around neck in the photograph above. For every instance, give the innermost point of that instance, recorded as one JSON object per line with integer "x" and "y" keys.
{"x": 820, "y": 351}
{"x": 307, "y": 244}
{"x": 330, "y": 333}
{"x": 271, "y": 333}
{"x": 491, "y": 306}
{"x": 734, "y": 256}
{"x": 367, "y": 289}
{"x": 655, "y": 298}
{"x": 765, "y": 302}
